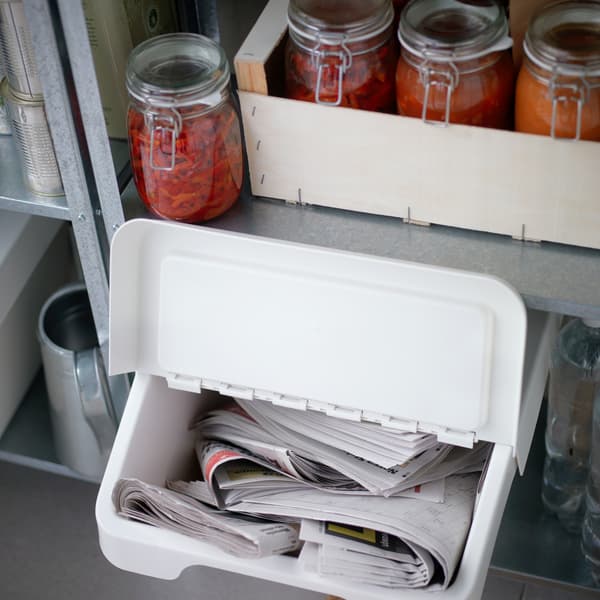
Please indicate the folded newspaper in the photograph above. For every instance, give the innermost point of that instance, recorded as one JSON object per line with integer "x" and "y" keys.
{"x": 233, "y": 474}
{"x": 364, "y": 555}
{"x": 242, "y": 535}
{"x": 331, "y": 453}
{"x": 439, "y": 529}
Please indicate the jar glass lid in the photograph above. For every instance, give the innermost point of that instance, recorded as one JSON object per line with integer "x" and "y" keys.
{"x": 354, "y": 20}
{"x": 566, "y": 35}
{"x": 453, "y": 29}
{"x": 176, "y": 69}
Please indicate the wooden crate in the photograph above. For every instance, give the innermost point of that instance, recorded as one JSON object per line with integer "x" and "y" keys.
{"x": 526, "y": 186}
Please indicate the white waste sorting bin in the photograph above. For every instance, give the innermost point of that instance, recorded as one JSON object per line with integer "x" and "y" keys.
{"x": 196, "y": 312}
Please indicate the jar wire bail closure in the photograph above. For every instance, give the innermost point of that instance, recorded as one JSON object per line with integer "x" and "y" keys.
{"x": 563, "y": 92}
{"x": 432, "y": 77}
{"x": 172, "y": 126}
{"x": 344, "y": 62}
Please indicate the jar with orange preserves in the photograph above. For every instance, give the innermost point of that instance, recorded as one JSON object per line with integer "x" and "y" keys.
{"x": 341, "y": 53}
{"x": 558, "y": 89}
{"x": 184, "y": 133}
{"x": 455, "y": 64}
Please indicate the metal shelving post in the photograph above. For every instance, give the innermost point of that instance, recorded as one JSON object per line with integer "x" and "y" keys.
{"x": 74, "y": 111}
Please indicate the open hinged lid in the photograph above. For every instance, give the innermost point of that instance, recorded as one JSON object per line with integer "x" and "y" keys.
{"x": 356, "y": 336}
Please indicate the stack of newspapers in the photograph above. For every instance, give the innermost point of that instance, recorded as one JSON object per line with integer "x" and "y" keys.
{"x": 359, "y": 500}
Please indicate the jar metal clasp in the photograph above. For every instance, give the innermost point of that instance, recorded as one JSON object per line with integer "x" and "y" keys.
{"x": 322, "y": 58}
{"x": 564, "y": 90}
{"x": 434, "y": 75}
{"x": 166, "y": 123}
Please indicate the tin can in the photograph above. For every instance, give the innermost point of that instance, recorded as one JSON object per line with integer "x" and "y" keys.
{"x": 34, "y": 144}
{"x": 17, "y": 51}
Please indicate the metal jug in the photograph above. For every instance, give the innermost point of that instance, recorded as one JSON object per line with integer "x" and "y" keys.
{"x": 80, "y": 405}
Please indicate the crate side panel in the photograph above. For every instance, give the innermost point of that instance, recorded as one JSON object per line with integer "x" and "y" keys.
{"x": 495, "y": 181}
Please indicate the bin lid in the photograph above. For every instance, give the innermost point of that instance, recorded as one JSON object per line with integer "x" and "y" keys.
{"x": 361, "y": 337}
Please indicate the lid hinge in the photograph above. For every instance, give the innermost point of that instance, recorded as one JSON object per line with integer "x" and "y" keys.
{"x": 184, "y": 383}
{"x": 289, "y": 401}
{"x": 197, "y": 384}
{"x": 466, "y": 439}
{"x": 341, "y": 412}
{"x": 236, "y": 391}
{"x": 333, "y": 410}
{"x": 391, "y": 422}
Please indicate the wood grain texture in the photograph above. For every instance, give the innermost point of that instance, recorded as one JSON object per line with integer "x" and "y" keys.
{"x": 525, "y": 186}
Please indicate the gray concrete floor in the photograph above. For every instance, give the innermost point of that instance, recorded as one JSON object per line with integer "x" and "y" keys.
{"x": 49, "y": 550}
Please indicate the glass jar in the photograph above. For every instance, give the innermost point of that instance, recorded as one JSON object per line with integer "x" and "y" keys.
{"x": 558, "y": 89}
{"x": 184, "y": 132}
{"x": 455, "y": 64}
{"x": 341, "y": 53}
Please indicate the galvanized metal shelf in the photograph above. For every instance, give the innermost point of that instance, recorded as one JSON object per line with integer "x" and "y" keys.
{"x": 16, "y": 197}
{"x": 28, "y": 439}
{"x": 531, "y": 544}
{"x": 13, "y": 193}
{"x": 550, "y": 277}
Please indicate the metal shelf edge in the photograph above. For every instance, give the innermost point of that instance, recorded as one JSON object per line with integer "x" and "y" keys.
{"x": 14, "y": 196}
{"x": 43, "y": 465}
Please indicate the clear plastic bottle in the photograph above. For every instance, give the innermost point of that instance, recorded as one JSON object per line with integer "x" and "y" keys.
{"x": 574, "y": 378}
{"x": 590, "y": 533}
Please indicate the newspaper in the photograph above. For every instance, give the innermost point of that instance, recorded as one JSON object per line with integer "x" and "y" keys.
{"x": 367, "y": 541}
{"x": 232, "y": 474}
{"x": 441, "y": 529}
{"x": 364, "y": 555}
{"x": 354, "y": 566}
{"x": 261, "y": 428}
{"x": 241, "y": 535}
{"x": 383, "y": 447}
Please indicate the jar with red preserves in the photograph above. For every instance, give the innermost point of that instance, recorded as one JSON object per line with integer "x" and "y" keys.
{"x": 558, "y": 89}
{"x": 341, "y": 53}
{"x": 184, "y": 133}
{"x": 455, "y": 64}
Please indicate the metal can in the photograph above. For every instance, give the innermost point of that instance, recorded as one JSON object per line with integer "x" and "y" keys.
{"x": 17, "y": 50}
{"x": 34, "y": 144}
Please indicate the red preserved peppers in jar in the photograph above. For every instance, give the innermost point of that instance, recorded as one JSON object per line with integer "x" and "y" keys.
{"x": 184, "y": 133}
{"x": 342, "y": 57}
